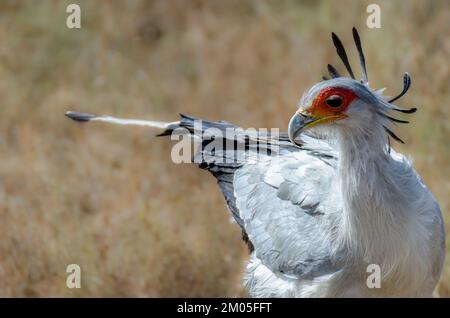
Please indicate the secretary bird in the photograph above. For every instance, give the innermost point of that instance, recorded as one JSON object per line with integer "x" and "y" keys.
{"x": 331, "y": 200}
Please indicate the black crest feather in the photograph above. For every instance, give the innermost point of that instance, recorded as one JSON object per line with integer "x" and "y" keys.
{"x": 333, "y": 72}
{"x": 406, "y": 86}
{"x": 362, "y": 59}
{"x": 391, "y": 133}
{"x": 342, "y": 54}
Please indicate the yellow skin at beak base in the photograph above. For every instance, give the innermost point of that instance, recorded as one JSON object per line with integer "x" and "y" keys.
{"x": 325, "y": 119}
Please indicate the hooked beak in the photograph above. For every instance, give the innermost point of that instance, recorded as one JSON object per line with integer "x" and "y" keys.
{"x": 296, "y": 125}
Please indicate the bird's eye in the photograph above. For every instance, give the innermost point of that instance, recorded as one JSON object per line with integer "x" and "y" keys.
{"x": 334, "y": 101}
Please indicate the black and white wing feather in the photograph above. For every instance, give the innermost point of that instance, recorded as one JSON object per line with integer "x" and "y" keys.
{"x": 284, "y": 201}
{"x": 283, "y": 196}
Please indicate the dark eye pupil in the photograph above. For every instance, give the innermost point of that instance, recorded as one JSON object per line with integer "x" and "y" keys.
{"x": 334, "y": 101}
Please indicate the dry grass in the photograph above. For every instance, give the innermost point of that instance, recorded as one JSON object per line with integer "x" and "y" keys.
{"x": 108, "y": 198}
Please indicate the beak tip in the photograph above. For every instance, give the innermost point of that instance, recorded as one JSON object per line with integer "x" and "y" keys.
{"x": 296, "y": 125}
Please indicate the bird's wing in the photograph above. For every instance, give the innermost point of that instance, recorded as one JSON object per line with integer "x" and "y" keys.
{"x": 282, "y": 199}
{"x": 280, "y": 194}
{"x": 224, "y": 162}
{"x": 289, "y": 207}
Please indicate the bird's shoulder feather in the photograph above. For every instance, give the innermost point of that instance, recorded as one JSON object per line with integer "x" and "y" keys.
{"x": 288, "y": 207}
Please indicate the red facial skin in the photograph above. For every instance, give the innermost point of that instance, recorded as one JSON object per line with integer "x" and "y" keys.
{"x": 326, "y": 113}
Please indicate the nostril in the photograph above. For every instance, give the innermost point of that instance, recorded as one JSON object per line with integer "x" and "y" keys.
{"x": 303, "y": 115}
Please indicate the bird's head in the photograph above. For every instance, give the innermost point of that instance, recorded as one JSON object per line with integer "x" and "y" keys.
{"x": 343, "y": 102}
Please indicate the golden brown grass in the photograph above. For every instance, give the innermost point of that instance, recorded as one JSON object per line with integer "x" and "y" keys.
{"x": 109, "y": 198}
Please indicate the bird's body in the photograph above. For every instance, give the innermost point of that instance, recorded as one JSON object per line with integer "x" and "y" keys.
{"x": 325, "y": 212}
{"x": 314, "y": 211}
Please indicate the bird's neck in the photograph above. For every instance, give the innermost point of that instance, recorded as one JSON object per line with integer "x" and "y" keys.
{"x": 363, "y": 161}
{"x": 370, "y": 193}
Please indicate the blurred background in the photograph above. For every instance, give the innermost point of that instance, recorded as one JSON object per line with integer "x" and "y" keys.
{"x": 109, "y": 198}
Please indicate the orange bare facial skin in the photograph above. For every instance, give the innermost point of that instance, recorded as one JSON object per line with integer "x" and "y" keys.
{"x": 320, "y": 108}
